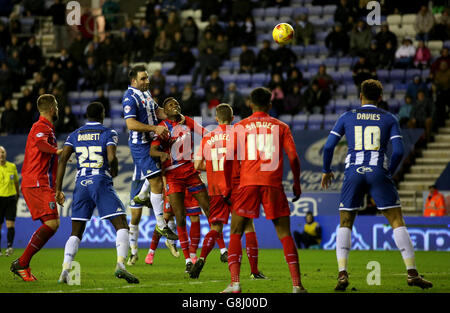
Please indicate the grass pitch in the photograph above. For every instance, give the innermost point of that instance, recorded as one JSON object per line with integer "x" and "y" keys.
{"x": 166, "y": 275}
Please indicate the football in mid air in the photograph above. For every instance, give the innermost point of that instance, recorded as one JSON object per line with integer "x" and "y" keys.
{"x": 283, "y": 33}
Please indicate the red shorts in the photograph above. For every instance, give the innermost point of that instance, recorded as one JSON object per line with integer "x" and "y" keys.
{"x": 190, "y": 203}
{"x": 248, "y": 199}
{"x": 219, "y": 210}
{"x": 41, "y": 202}
{"x": 183, "y": 179}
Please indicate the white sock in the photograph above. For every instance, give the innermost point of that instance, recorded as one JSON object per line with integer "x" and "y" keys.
{"x": 343, "y": 245}
{"x": 157, "y": 204}
{"x": 134, "y": 236}
{"x": 151, "y": 251}
{"x": 170, "y": 241}
{"x": 173, "y": 226}
{"x": 143, "y": 193}
{"x": 122, "y": 240}
{"x": 192, "y": 255}
{"x": 223, "y": 250}
{"x": 70, "y": 251}
{"x": 404, "y": 244}
{"x": 188, "y": 260}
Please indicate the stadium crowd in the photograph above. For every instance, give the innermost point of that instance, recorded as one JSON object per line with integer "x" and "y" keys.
{"x": 86, "y": 62}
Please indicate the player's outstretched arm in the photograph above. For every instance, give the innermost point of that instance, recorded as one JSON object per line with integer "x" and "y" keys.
{"x": 112, "y": 160}
{"x": 133, "y": 124}
{"x": 64, "y": 158}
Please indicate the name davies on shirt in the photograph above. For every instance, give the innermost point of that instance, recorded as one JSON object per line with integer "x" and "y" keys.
{"x": 368, "y": 116}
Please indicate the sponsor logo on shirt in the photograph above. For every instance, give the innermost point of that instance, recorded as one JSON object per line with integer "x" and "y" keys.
{"x": 39, "y": 135}
{"x": 127, "y": 109}
{"x": 86, "y": 182}
{"x": 364, "y": 169}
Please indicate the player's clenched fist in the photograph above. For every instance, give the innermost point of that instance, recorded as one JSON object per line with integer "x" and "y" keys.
{"x": 297, "y": 190}
{"x": 60, "y": 197}
{"x": 162, "y": 131}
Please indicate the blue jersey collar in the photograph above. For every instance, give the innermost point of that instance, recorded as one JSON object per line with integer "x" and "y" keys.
{"x": 93, "y": 123}
{"x": 137, "y": 91}
{"x": 369, "y": 106}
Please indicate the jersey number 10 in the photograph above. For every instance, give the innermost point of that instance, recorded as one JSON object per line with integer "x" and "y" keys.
{"x": 371, "y": 138}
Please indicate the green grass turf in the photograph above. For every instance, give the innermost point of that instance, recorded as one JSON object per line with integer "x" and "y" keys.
{"x": 319, "y": 271}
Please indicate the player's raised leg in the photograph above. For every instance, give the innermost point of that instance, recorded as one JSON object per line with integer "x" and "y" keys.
{"x": 343, "y": 246}
{"x": 404, "y": 244}
{"x": 143, "y": 197}
{"x": 157, "y": 200}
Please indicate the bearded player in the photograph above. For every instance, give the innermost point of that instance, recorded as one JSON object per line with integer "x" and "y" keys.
{"x": 38, "y": 182}
{"x": 175, "y": 154}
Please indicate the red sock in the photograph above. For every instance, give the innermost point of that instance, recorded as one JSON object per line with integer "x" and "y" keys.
{"x": 37, "y": 241}
{"x": 194, "y": 235}
{"x": 291, "y": 256}
{"x": 184, "y": 241}
{"x": 155, "y": 241}
{"x": 234, "y": 257}
{"x": 208, "y": 243}
{"x": 251, "y": 246}
{"x": 220, "y": 241}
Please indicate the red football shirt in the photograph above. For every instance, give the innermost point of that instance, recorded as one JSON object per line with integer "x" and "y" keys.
{"x": 39, "y": 168}
{"x": 179, "y": 145}
{"x": 217, "y": 149}
{"x": 261, "y": 140}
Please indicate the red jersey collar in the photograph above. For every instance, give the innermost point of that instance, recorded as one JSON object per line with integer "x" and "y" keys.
{"x": 260, "y": 114}
{"x": 46, "y": 121}
{"x": 223, "y": 127}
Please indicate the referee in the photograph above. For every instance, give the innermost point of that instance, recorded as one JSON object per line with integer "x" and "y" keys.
{"x": 9, "y": 194}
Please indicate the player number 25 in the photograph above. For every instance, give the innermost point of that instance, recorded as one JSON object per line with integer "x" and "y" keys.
{"x": 371, "y": 138}
{"x": 91, "y": 155}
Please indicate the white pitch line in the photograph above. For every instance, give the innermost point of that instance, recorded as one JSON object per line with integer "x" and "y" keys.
{"x": 135, "y": 286}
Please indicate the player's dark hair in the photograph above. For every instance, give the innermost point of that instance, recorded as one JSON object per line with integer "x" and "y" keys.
{"x": 261, "y": 97}
{"x": 135, "y": 70}
{"x": 372, "y": 90}
{"x": 224, "y": 112}
{"x": 45, "y": 102}
{"x": 167, "y": 100}
{"x": 95, "y": 111}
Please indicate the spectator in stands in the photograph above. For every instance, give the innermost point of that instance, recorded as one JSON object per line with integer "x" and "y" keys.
{"x": 9, "y": 119}
{"x": 131, "y": 32}
{"x": 14, "y": 45}
{"x": 314, "y": 100}
{"x": 215, "y": 79}
{"x": 177, "y": 44}
{"x": 31, "y": 54}
{"x": 105, "y": 101}
{"x": 15, "y": 27}
{"x": 234, "y": 98}
{"x": 222, "y": 47}
{"x": 5, "y": 35}
{"x": 275, "y": 80}
{"x": 190, "y": 32}
{"x": 441, "y": 29}
{"x": 209, "y": 62}
{"x": 265, "y": 58}
{"x": 61, "y": 98}
{"x": 373, "y": 55}
{"x": 213, "y": 96}
{"x": 107, "y": 73}
{"x": 158, "y": 95}
{"x": 405, "y": 112}
{"x": 233, "y": 33}
{"x": 311, "y": 235}
{"x": 92, "y": 49}
{"x": 184, "y": 62}
{"x": 76, "y": 48}
{"x": 422, "y": 114}
{"x": 107, "y": 49}
{"x": 247, "y": 60}
{"x": 362, "y": 71}
{"x": 6, "y": 87}
{"x": 154, "y": 12}
{"x": 16, "y": 68}
{"x": 326, "y": 83}
{"x": 345, "y": 14}
{"x": 444, "y": 57}
{"x": 189, "y": 101}
{"x": 387, "y": 57}
{"x": 337, "y": 41}
{"x": 424, "y": 23}
{"x": 145, "y": 44}
{"x": 293, "y": 102}
{"x": 39, "y": 83}
{"x": 64, "y": 57}
{"x": 209, "y": 8}
{"x": 26, "y": 96}
{"x": 360, "y": 38}
{"x": 90, "y": 75}
{"x": 441, "y": 90}
{"x": 422, "y": 57}
{"x": 49, "y": 69}
{"x": 304, "y": 31}
{"x": 214, "y": 26}
{"x": 58, "y": 13}
{"x": 158, "y": 27}
{"x": 162, "y": 47}
{"x": 415, "y": 85}
{"x": 68, "y": 122}
{"x": 173, "y": 92}
{"x": 385, "y": 35}
{"x": 442, "y": 78}
{"x": 70, "y": 75}
{"x": 404, "y": 55}
{"x": 284, "y": 60}
{"x": 27, "y": 118}
{"x": 435, "y": 204}
{"x": 277, "y": 100}
{"x": 172, "y": 25}
{"x": 157, "y": 80}
{"x": 208, "y": 41}
{"x": 249, "y": 31}
{"x": 56, "y": 82}
{"x": 295, "y": 78}
{"x": 109, "y": 9}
